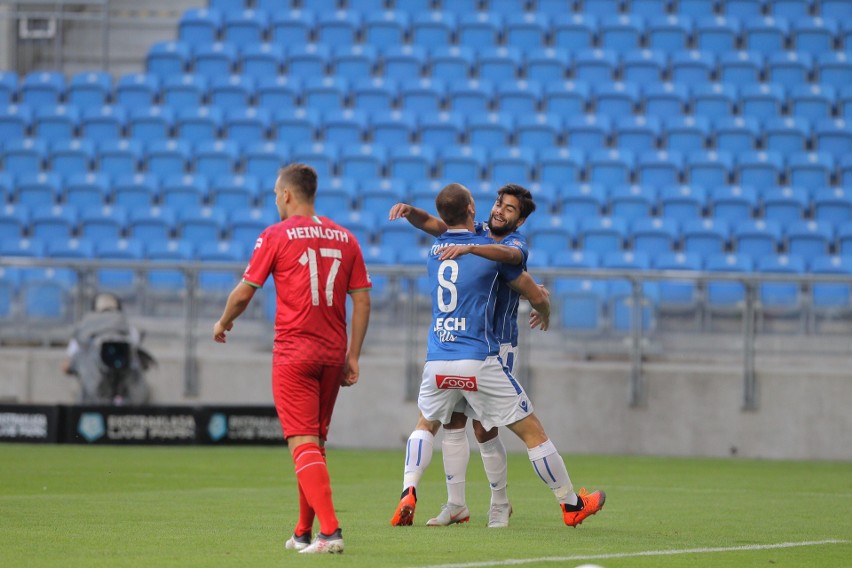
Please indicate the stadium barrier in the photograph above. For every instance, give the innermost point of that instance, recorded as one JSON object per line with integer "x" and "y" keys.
{"x": 140, "y": 425}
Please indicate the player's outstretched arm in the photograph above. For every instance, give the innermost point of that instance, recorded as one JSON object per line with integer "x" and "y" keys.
{"x": 538, "y": 297}
{"x": 238, "y": 301}
{"x": 497, "y": 253}
{"x": 418, "y": 218}
{"x": 361, "y": 304}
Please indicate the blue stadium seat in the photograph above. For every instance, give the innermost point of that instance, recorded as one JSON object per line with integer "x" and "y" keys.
{"x": 6, "y": 187}
{"x": 179, "y": 192}
{"x": 809, "y": 169}
{"x": 716, "y": 34}
{"x": 378, "y": 255}
{"x": 765, "y": 34}
{"x": 233, "y": 191}
{"x": 844, "y": 102}
{"x": 246, "y": 224}
{"x": 587, "y": 132}
{"x": 595, "y": 65}
{"x": 77, "y": 248}
{"x": 36, "y": 189}
{"x": 83, "y": 190}
{"x": 682, "y": 202}
{"x": 217, "y": 283}
{"x": 714, "y": 99}
{"x": 352, "y": 62}
{"x": 560, "y": 166}
{"x": 167, "y": 58}
{"x": 759, "y": 168}
{"x": 296, "y": 124}
{"x": 567, "y": 98}
{"x": 261, "y": 60}
{"x": 343, "y": 126}
{"x": 507, "y": 7}
{"x": 376, "y": 93}
{"x": 150, "y": 123}
{"x": 665, "y": 100}
{"x": 743, "y": 9}
{"x": 583, "y": 200}
{"x": 708, "y": 168}
{"x": 582, "y": 305}
{"x": 545, "y": 194}
{"x": 277, "y": 92}
{"x": 669, "y": 33}
{"x": 461, "y": 163}
{"x": 335, "y": 193}
{"x": 230, "y": 91}
{"x": 118, "y": 156}
{"x": 813, "y": 35}
{"x": 602, "y": 234}
{"x": 643, "y": 66}
{"x": 166, "y": 157}
{"x": 214, "y": 60}
{"x": 264, "y": 159}
{"x": 790, "y": 9}
{"x": 844, "y": 171}
{"x": 411, "y": 161}
{"x": 620, "y": 32}
{"x": 512, "y": 163}
{"x": 638, "y": 133}
{"x": 455, "y": 61}
{"x": 525, "y": 30}
{"x": 388, "y": 27}
{"x": 732, "y": 202}
{"x": 692, "y": 67}
{"x": 538, "y": 131}
{"x": 837, "y": 9}
{"x": 8, "y": 87}
{"x": 659, "y": 168}
{"x": 245, "y": 27}
{"x": 15, "y": 122}
{"x": 198, "y": 124}
{"x": 377, "y": 196}
{"x": 46, "y": 300}
{"x": 119, "y": 280}
{"x": 784, "y": 204}
{"x": 735, "y": 134}
{"x": 324, "y": 93}
{"x": 199, "y": 26}
{"x": 489, "y": 129}
{"x": 103, "y": 123}
{"x": 779, "y": 299}
{"x": 104, "y": 223}
{"x": 56, "y": 122}
{"x": 14, "y": 221}
{"x": 678, "y": 297}
{"x": 704, "y": 236}
{"x": 42, "y": 88}
{"x": 615, "y": 99}
{"x": 360, "y": 223}
{"x": 477, "y": 30}
{"x": 136, "y": 90}
{"x": 498, "y": 64}
{"x": 470, "y": 96}
{"x": 22, "y": 247}
{"x": 630, "y": 202}
{"x": 832, "y": 204}
{"x": 135, "y": 190}
{"x": 813, "y": 102}
{"x": 199, "y": 225}
{"x": 786, "y": 135}
{"x": 609, "y": 166}
{"x": 756, "y": 237}
{"x": 654, "y": 235}
{"x": 648, "y": 7}
{"x": 620, "y": 291}
{"x": 518, "y": 98}
{"x": 336, "y": 28}
{"x": 601, "y": 8}
{"x": 833, "y": 137}
{"x": 432, "y": 28}
{"x": 573, "y": 32}
{"x": 545, "y": 64}
{"x": 552, "y": 233}
{"x": 246, "y": 125}
{"x": 392, "y": 127}
{"x": 151, "y": 224}
{"x": 308, "y": 60}
{"x": 289, "y": 28}
{"x": 362, "y": 161}
{"x": 88, "y": 89}
{"x": 788, "y": 68}
{"x": 53, "y": 222}
{"x": 71, "y": 156}
{"x": 726, "y": 297}
{"x": 423, "y": 193}
{"x": 320, "y": 156}
{"x": 177, "y": 252}
{"x": 403, "y": 61}
{"x": 843, "y": 240}
{"x": 830, "y": 300}
{"x": 215, "y": 158}
{"x": 809, "y": 239}
{"x": 23, "y": 156}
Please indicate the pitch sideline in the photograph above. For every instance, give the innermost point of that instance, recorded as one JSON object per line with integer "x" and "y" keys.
{"x": 520, "y": 561}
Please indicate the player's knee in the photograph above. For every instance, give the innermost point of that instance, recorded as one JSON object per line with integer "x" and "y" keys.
{"x": 457, "y": 421}
{"x": 483, "y": 435}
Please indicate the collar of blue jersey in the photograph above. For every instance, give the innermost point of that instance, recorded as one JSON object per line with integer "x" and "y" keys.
{"x": 457, "y": 231}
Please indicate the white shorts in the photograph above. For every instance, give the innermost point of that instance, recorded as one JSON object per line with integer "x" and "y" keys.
{"x": 508, "y": 355}
{"x": 487, "y": 386}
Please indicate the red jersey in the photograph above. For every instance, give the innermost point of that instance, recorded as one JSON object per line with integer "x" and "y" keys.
{"x": 314, "y": 262}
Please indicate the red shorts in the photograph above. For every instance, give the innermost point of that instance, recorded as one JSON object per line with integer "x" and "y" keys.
{"x": 304, "y": 395}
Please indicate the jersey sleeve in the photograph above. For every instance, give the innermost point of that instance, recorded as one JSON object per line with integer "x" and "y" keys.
{"x": 519, "y": 242}
{"x": 510, "y": 271}
{"x": 262, "y": 260}
{"x": 359, "y": 278}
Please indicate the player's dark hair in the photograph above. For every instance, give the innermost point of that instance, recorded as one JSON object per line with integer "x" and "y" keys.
{"x": 452, "y": 202}
{"x": 302, "y": 178}
{"x": 525, "y": 198}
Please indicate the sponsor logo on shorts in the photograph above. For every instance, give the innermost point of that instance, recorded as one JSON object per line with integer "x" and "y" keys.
{"x": 456, "y": 382}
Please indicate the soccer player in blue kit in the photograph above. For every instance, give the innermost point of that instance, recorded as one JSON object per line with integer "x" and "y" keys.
{"x": 463, "y": 361}
{"x": 513, "y": 205}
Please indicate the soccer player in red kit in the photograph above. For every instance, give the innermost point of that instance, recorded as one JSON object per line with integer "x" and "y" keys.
{"x": 314, "y": 263}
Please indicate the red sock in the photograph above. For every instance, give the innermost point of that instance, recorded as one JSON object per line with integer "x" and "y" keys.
{"x": 312, "y": 474}
{"x": 306, "y": 514}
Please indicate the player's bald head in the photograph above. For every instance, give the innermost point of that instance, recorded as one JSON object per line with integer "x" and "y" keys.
{"x": 452, "y": 204}
{"x": 301, "y": 180}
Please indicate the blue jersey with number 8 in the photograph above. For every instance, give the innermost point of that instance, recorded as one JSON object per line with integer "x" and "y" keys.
{"x": 464, "y": 295}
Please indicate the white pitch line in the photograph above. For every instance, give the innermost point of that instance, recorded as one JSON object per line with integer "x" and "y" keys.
{"x": 748, "y": 547}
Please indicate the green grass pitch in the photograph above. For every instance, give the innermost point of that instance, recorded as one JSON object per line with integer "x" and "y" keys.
{"x": 191, "y": 506}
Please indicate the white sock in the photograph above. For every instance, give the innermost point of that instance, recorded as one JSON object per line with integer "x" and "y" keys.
{"x": 550, "y": 468}
{"x": 494, "y": 460}
{"x": 456, "y": 450}
{"x": 418, "y": 454}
